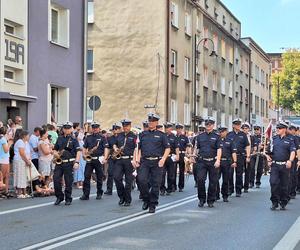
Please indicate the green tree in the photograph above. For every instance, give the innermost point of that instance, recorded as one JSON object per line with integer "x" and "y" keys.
{"x": 289, "y": 82}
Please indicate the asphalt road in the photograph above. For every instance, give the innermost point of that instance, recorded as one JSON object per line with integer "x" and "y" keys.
{"x": 243, "y": 223}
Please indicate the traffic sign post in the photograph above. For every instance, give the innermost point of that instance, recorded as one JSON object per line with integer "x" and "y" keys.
{"x": 94, "y": 103}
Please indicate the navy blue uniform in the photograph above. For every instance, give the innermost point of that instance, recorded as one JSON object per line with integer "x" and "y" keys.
{"x": 69, "y": 147}
{"x": 207, "y": 146}
{"x": 153, "y": 144}
{"x": 280, "y": 151}
{"x": 226, "y": 160}
{"x": 91, "y": 141}
{"x": 241, "y": 141}
{"x": 183, "y": 142}
{"x": 123, "y": 165}
{"x": 170, "y": 166}
{"x": 110, "y": 171}
{"x": 293, "y": 171}
{"x": 256, "y": 141}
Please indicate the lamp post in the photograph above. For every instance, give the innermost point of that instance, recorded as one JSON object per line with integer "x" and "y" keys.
{"x": 278, "y": 94}
{"x": 197, "y": 118}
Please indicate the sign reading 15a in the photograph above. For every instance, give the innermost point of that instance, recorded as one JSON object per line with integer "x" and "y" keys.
{"x": 14, "y": 51}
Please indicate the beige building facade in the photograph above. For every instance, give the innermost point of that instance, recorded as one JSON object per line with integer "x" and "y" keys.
{"x": 260, "y": 83}
{"x": 157, "y": 56}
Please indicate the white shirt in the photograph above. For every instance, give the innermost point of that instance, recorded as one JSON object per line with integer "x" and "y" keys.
{"x": 33, "y": 142}
{"x": 21, "y": 144}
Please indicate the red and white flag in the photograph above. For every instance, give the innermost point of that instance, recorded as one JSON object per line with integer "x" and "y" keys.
{"x": 269, "y": 131}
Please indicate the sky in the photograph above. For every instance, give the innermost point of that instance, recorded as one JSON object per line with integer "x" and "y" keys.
{"x": 273, "y": 24}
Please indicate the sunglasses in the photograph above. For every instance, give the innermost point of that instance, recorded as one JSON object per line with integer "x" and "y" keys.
{"x": 280, "y": 128}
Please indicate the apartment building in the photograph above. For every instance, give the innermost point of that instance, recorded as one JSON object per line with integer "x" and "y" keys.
{"x": 14, "y": 97}
{"x": 56, "y": 62}
{"x": 182, "y": 58}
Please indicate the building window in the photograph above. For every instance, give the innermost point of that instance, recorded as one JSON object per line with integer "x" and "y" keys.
{"x": 90, "y": 11}
{"x": 173, "y": 111}
{"x": 224, "y": 20}
{"x": 187, "y": 68}
{"x": 223, "y": 87}
{"x": 231, "y": 28}
{"x": 267, "y": 109}
{"x": 223, "y": 49}
{"x": 230, "y": 51}
{"x": 205, "y": 35}
{"x": 59, "y": 25}
{"x": 174, "y": 62}
{"x": 215, "y": 100}
{"x": 246, "y": 96}
{"x": 187, "y": 114}
{"x": 174, "y": 15}
{"x": 205, "y": 97}
{"x": 58, "y": 109}
{"x": 262, "y": 107}
{"x": 9, "y": 74}
{"x": 216, "y": 13}
{"x": 188, "y": 24}
{"x": 90, "y": 61}
{"x": 89, "y": 112}
{"x": 247, "y": 67}
{"x": 223, "y": 119}
{"x": 214, "y": 81}
{"x": 216, "y": 42}
{"x": 241, "y": 94}
{"x": 242, "y": 63}
{"x": 198, "y": 24}
{"x": 257, "y": 105}
{"x": 230, "y": 91}
{"x": 206, "y": 4}
{"x": 9, "y": 29}
{"x": 223, "y": 103}
{"x": 251, "y": 102}
{"x": 205, "y": 75}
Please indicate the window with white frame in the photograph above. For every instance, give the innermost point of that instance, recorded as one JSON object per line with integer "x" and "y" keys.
{"x": 187, "y": 114}
{"x": 173, "y": 111}
{"x": 9, "y": 29}
{"x": 223, "y": 49}
{"x": 174, "y": 62}
{"x": 223, "y": 86}
{"x": 89, "y": 112}
{"x": 187, "y": 68}
{"x": 188, "y": 24}
{"x": 230, "y": 89}
{"x": 214, "y": 81}
{"x": 59, "y": 25}
{"x": 90, "y": 61}
{"x": 90, "y": 11}
{"x": 198, "y": 24}
{"x": 9, "y": 74}
{"x": 216, "y": 42}
{"x": 230, "y": 51}
{"x": 174, "y": 14}
{"x": 58, "y": 104}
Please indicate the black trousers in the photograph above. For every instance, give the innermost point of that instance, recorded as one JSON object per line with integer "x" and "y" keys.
{"x": 293, "y": 179}
{"x": 247, "y": 171}
{"x": 223, "y": 172}
{"x": 204, "y": 168}
{"x": 150, "y": 173}
{"x": 168, "y": 169}
{"x": 260, "y": 169}
{"x": 298, "y": 180}
{"x": 66, "y": 170}
{"x": 238, "y": 175}
{"x": 279, "y": 181}
{"x": 90, "y": 166}
{"x": 36, "y": 163}
{"x": 110, "y": 175}
{"x": 123, "y": 167}
{"x": 181, "y": 166}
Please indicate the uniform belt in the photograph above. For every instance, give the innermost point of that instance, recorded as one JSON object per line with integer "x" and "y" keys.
{"x": 152, "y": 158}
{"x": 207, "y": 159}
{"x": 127, "y": 157}
{"x": 279, "y": 162}
{"x": 96, "y": 157}
{"x": 225, "y": 159}
{"x": 69, "y": 160}
{"x": 182, "y": 152}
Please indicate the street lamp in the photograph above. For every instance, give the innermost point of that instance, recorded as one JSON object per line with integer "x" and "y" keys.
{"x": 278, "y": 94}
{"x": 197, "y": 118}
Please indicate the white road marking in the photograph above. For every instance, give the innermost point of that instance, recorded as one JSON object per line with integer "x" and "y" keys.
{"x": 35, "y": 206}
{"x": 89, "y": 231}
{"x": 291, "y": 238}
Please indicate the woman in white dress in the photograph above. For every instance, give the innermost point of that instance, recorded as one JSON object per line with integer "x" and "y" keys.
{"x": 45, "y": 155}
{"x": 21, "y": 161}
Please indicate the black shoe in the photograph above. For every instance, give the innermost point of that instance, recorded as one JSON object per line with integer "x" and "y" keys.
{"x": 210, "y": 205}
{"x": 257, "y": 186}
{"x": 282, "y": 207}
{"x": 58, "y": 201}
{"x": 151, "y": 210}
{"x": 145, "y": 206}
{"x": 84, "y": 198}
{"x": 218, "y": 198}
{"x": 180, "y": 190}
{"x": 230, "y": 193}
{"x": 274, "y": 206}
{"x": 201, "y": 204}
{"x": 99, "y": 197}
{"x": 140, "y": 196}
{"x": 162, "y": 193}
{"x": 168, "y": 193}
{"x": 107, "y": 192}
{"x": 293, "y": 196}
{"x": 126, "y": 204}
{"x": 173, "y": 189}
{"x": 225, "y": 199}
{"x": 251, "y": 185}
{"x": 246, "y": 191}
{"x": 238, "y": 195}
{"x": 68, "y": 203}
{"x": 121, "y": 201}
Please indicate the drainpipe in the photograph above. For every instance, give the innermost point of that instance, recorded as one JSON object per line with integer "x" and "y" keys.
{"x": 167, "y": 61}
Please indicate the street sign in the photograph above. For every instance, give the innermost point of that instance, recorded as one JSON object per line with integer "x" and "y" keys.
{"x": 94, "y": 102}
